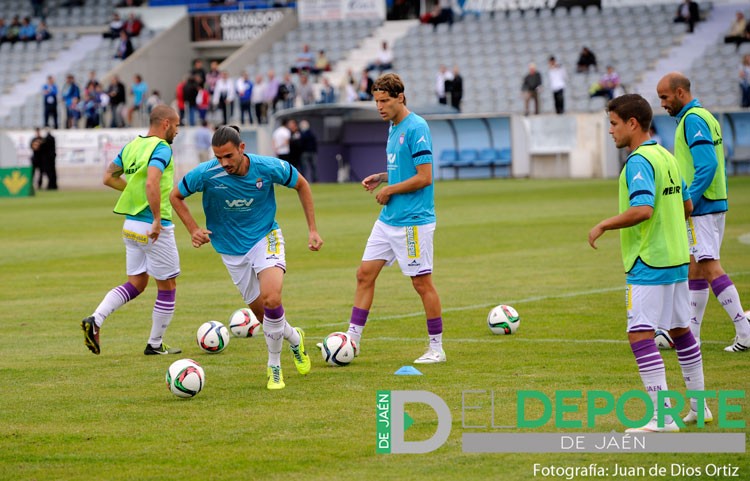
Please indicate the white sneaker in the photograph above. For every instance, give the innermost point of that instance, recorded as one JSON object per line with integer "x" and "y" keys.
{"x": 740, "y": 344}
{"x": 692, "y": 416}
{"x": 652, "y": 427}
{"x": 432, "y": 356}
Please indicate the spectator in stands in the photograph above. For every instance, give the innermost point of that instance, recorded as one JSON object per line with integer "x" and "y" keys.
{"x": 212, "y": 77}
{"x": 13, "y": 30}
{"x": 244, "y": 90}
{"x": 443, "y": 13}
{"x": 103, "y": 100}
{"x": 153, "y": 100}
{"x": 532, "y": 84}
{"x": 327, "y": 92}
{"x": 129, "y": 3}
{"x": 27, "y": 32}
{"x": 586, "y": 61}
{"x": 305, "y": 60}
{"x": 124, "y": 46}
{"x": 281, "y": 139}
{"x": 117, "y": 101}
{"x": 384, "y": 60}
{"x": 115, "y": 27}
{"x": 258, "y": 99}
{"x": 203, "y": 102}
{"x": 42, "y": 32}
{"x": 322, "y": 64}
{"x": 92, "y": 83}
{"x": 309, "y": 147}
{"x": 443, "y": 76}
{"x": 295, "y": 146}
{"x": 350, "y": 92}
{"x": 271, "y": 92}
{"x": 606, "y": 86}
{"x": 37, "y": 6}
{"x": 138, "y": 89}
{"x": 745, "y": 81}
{"x": 49, "y": 93}
{"x": 74, "y": 114}
{"x": 190, "y": 93}
{"x": 179, "y": 98}
{"x": 71, "y": 94}
{"x": 224, "y": 96}
{"x": 90, "y": 110}
{"x": 456, "y": 88}
{"x": 736, "y": 33}
{"x": 3, "y": 30}
{"x": 287, "y": 94}
{"x": 364, "y": 86}
{"x": 557, "y": 79}
{"x": 203, "y": 136}
{"x": 199, "y": 71}
{"x": 689, "y": 13}
{"x": 133, "y": 25}
{"x": 306, "y": 91}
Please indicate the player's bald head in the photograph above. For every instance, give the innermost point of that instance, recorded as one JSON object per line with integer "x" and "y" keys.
{"x": 161, "y": 113}
{"x": 674, "y": 81}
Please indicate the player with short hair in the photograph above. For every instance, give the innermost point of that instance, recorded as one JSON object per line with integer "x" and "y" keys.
{"x": 406, "y": 225}
{"x": 148, "y": 231}
{"x": 653, "y": 207}
{"x": 240, "y": 208}
{"x": 699, "y": 151}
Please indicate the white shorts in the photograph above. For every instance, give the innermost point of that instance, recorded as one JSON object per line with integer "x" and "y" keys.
{"x": 411, "y": 246}
{"x": 159, "y": 259}
{"x": 705, "y": 234}
{"x": 244, "y": 270}
{"x": 657, "y": 307}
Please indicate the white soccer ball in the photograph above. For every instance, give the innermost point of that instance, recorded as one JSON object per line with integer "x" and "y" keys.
{"x": 662, "y": 339}
{"x": 503, "y": 320}
{"x": 339, "y": 349}
{"x": 185, "y": 378}
{"x": 212, "y": 337}
{"x": 243, "y": 323}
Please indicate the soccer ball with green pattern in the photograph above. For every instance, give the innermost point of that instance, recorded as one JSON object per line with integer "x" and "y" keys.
{"x": 212, "y": 337}
{"x": 503, "y": 320}
{"x": 185, "y": 378}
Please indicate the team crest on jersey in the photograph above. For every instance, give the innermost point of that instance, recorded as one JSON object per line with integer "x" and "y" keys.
{"x": 259, "y": 183}
{"x": 401, "y": 138}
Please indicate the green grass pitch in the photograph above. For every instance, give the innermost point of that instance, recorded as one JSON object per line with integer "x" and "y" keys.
{"x": 69, "y": 415}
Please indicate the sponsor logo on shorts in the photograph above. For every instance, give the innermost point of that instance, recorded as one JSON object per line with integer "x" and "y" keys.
{"x": 272, "y": 243}
{"x": 134, "y": 236}
{"x": 412, "y": 241}
{"x": 414, "y": 263}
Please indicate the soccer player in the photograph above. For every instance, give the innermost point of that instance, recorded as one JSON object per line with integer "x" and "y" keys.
{"x": 240, "y": 208}
{"x": 653, "y": 207}
{"x": 148, "y": 232}
{"x": 700, "y": 155}
{"x": 406, "y": 225}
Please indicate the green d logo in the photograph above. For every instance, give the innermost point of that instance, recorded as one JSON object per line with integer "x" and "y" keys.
{"x": 392, "y": 421}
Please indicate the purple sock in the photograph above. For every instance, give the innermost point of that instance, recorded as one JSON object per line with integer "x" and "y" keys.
{"x": 720, "y": 283}
{"x": 688, "y": 351}
{"x": 697, "y": 284}
{"x": 359, "y": 316}
{"x": 435, "y": 326}
{"x": 129, "y": 291}
{"x": 275, "y": 313}
{"x": 647, "y": 356}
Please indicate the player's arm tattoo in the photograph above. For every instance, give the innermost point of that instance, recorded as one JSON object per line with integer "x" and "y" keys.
{"x": 115, "y": 170}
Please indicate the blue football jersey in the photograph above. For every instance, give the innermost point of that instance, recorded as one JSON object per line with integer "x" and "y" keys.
{"x": 409, "y": 145}
{"x": 240, "y": 210}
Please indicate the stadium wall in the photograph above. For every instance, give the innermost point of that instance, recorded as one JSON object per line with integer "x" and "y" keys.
{"x": 544, "y": 146}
